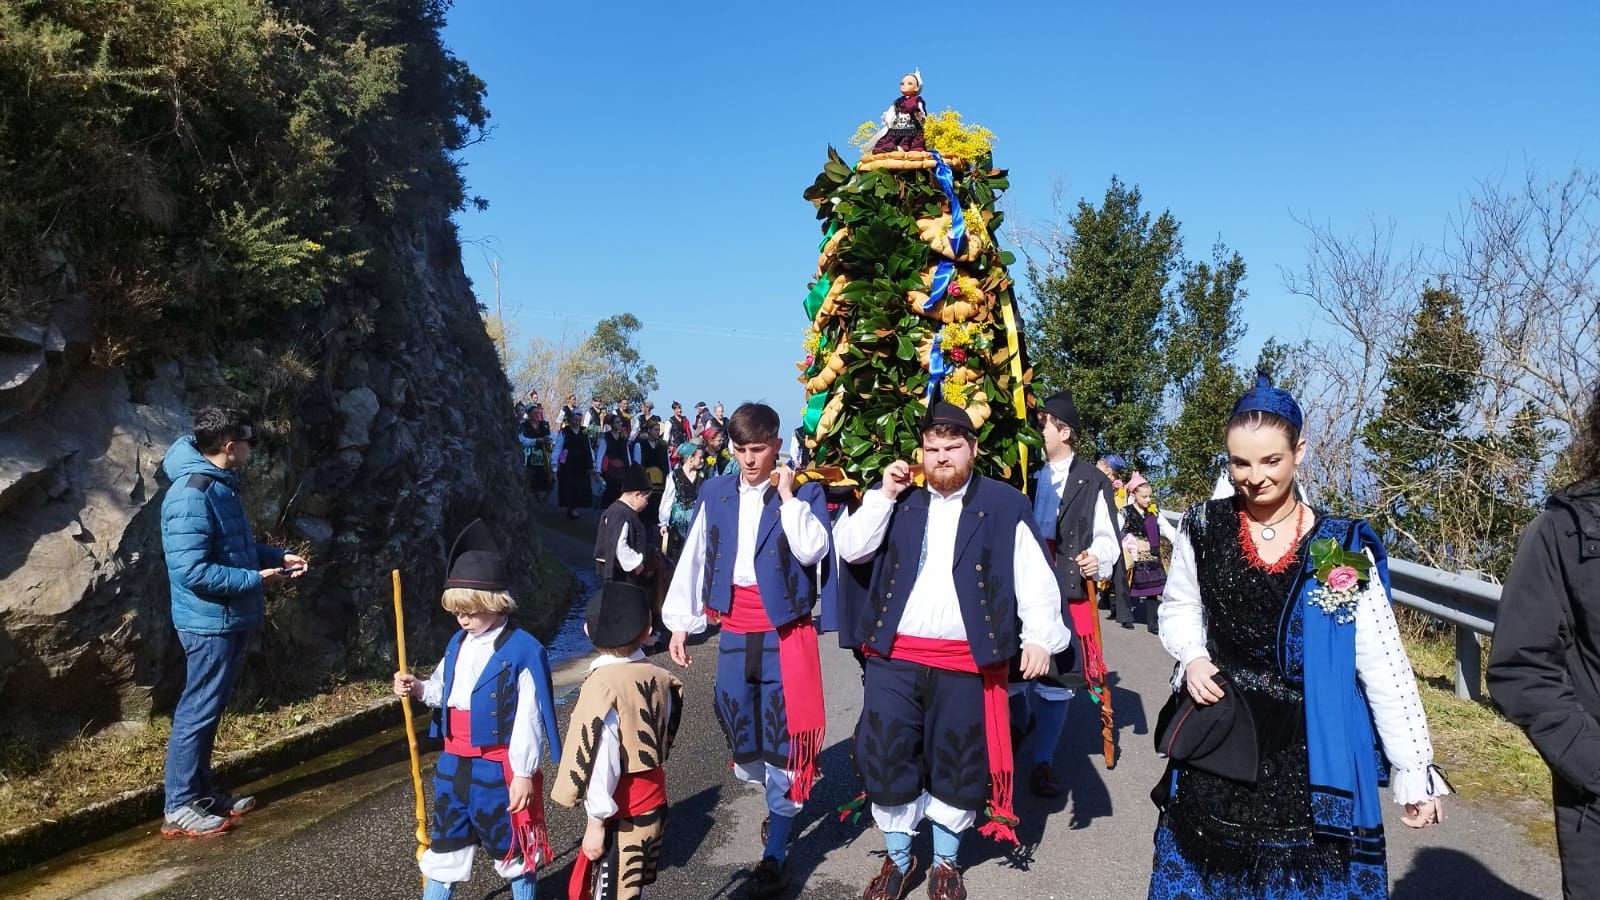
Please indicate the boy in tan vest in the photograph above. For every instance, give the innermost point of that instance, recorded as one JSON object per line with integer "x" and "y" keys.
{"x": 617, "y": 742}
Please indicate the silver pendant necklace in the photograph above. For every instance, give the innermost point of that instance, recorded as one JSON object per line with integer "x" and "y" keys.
{"x": 1268, "y": 532}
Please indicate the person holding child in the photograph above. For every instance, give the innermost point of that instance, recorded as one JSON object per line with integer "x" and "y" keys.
{"x": 496, "y": 714}
{"x": 621, "y": 733}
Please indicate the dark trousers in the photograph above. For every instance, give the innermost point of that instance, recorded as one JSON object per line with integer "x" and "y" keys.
{"x": 1578, "y": 840}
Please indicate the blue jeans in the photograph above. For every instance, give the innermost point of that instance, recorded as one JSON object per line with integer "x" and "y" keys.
{"x": 212, "y": 666}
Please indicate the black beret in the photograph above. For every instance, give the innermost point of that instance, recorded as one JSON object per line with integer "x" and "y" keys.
{"x": 1219, "y": 738}
{"x": 945, "y": 413}
{"x": 635, "y": 478}
{"x": 1061, "y": 406}
{"x": 617, "y": 614}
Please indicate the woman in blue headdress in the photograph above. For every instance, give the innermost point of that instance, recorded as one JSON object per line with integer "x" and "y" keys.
{"x": 1292, "y": 606}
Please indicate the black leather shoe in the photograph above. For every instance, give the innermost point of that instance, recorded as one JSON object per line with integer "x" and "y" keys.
{"x": 1043, "y": 781}
{"x": 769, "y": 879}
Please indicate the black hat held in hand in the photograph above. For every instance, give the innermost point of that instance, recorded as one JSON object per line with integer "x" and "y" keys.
{"x": 1219, "y": 738}
{"x": 617, "y": 615}
{"x": 476, "y": 563}
{"x": 634, "y": 478}
{"x": 1061, "y": 406}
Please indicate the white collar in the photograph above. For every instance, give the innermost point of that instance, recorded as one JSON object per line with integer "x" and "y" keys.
{"x": 1062, "y": 465}
{"x": 487, "y": 637}
{"x": 745, "y": 488}
{"x": 606, "y": 659}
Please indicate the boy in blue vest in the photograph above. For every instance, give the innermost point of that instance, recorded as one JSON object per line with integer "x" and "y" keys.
{"x": 959, "y": 586}
{"x": 752, "y": 555}
{"x": 496, "y": 714}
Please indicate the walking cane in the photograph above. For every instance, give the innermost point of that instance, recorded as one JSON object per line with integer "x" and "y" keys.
{"x": 1108, "y": 734}
{"x": 411, "y": 733}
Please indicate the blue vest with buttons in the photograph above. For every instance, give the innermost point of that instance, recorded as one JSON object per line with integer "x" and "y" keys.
{"x": 788, "y": 589}
{"x": 985, "y": 544}
{"x": 494, "y": 697}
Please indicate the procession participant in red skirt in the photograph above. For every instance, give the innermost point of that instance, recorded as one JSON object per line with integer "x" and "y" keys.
{"x": 751, "y": 556}
{"x": 957, "y": 566}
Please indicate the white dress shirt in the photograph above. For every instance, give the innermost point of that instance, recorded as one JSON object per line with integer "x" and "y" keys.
{"x": 1105, "y": 546}
{"x": 527, "y": 734}
{"x": 1382, "y": 668}
{"x": 599, "y": 801}
{"x": 808, "y": 542}
{"x": 933, "y": 609}
{"x": 628, "y": 559}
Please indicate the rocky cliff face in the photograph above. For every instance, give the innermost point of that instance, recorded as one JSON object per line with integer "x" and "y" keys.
{"x": 386, "y": 427}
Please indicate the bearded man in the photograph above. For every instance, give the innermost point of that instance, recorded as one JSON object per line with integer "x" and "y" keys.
{"x": 956, "y": 566}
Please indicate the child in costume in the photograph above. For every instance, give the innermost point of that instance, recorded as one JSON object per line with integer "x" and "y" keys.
{"x": 751, "y": 556}
{"x": 1142, "y": 531}
{"x": 496, "y": 713}
{"x": 621, "y": 731}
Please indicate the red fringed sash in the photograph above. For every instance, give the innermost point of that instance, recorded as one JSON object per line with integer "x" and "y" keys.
{"x": 529, "y": 837}
{"x": 636, "y": 794}
{"x": 956, "y": 656}
{"x": 800, "y": 670}
{"x": 1082, "y": 613}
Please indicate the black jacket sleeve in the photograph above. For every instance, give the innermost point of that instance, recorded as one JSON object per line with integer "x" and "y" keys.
{"x": 1528, "y": 674}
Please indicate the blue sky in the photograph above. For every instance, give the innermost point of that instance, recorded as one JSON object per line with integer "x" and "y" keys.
{"x": 649, "y": 158}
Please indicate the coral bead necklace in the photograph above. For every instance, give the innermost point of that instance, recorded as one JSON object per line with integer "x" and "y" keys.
{"x": 1252, "y": 552}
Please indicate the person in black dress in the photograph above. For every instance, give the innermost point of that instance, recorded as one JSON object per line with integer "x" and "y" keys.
{"x": 574, "y": 465}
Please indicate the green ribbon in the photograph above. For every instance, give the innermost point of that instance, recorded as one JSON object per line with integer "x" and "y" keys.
{"x": 820, "y": 289}
{"x": 813, "y": 414}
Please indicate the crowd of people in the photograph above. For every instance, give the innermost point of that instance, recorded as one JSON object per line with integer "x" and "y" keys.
{"x": 963, "y": 601}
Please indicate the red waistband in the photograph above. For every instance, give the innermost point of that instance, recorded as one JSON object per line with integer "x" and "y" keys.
{"x": 746, "y": 615}
{"x": 458, "y": 740}
{"x": 937, "y": 653}
{"x": 641, "y": 792}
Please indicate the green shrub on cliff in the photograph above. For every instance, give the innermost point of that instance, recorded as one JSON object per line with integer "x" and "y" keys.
{"x": 200, "y": 166}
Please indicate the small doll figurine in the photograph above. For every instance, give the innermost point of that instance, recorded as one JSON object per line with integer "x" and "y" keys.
{"x": 902, "y": 121}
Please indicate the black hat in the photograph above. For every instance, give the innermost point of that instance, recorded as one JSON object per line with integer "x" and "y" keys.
{"x": 1061, "y": 406}
{"x": 476, "y": 563}
{"x": 617, "y": 615}
{"x": 946, "y": 413}
{"x": 1219, "y": 738}
{"x": 634, "y": 478}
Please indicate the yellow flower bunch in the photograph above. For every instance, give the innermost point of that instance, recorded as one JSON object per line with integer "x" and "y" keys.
{"x": 944, "y": 132}
{"x": 956, "y": 392}
{"x": 975, "y": 227}
{"x": 960, "y": 334}
{"x": 863, "y": 135}
{"x": 813, "y": 340}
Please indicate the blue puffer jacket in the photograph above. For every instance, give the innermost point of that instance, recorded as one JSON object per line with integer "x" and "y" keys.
{"x": 212, "y": 560}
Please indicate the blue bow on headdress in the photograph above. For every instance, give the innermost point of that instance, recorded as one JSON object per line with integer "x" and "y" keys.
{"x": 1268, "y": 399}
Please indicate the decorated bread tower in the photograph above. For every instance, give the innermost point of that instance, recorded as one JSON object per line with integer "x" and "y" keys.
{"x": 911, "y": 299}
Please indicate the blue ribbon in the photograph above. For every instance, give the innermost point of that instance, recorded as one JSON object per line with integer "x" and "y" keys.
{"x": 945, "y": 270}
{"x": 936, "y": 370}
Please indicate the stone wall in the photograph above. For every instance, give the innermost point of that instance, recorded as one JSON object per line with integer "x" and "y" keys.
{"x": 399, "y": 434}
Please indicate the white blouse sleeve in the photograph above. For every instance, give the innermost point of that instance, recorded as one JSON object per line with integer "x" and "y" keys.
{"x": 682, "y": 609}
{"x": 527, "y": 734}
{"x": 599, "y": 800}
{"x": 433, "y": 688}
{"x": 1182, "y": 617}
{"x": 859, "y": 533}
{"x": 1391, "y": 689}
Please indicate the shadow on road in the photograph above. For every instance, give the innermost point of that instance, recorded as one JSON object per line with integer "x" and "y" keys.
{"x": 1440, "y": 872}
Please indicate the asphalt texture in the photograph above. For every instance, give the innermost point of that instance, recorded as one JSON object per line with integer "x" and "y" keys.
{"x": 348, "y": 830}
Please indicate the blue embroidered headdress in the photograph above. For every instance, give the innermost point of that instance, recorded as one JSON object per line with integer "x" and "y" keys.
{"x": 1266, "y": 398}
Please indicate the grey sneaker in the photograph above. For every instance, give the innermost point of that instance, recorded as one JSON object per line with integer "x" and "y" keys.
{"x": 233, "y": 807}
{"x": 194, "y": 819}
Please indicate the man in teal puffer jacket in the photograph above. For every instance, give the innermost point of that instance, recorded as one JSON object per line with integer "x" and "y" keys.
{"x": 218, "y": 575}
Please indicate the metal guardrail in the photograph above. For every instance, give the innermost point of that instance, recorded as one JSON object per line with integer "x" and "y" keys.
{"x": 1462, "y": 600}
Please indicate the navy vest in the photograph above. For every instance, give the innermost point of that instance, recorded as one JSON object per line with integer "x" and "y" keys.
{"x": 1075, "y": 525}
{"x": 494, "y": 697}
{"x": 788, "y": 589}
{"x": 985, "y": 546}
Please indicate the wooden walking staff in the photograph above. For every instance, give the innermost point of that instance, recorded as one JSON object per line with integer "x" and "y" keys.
{"x": 411, "y": 733}
{"x": 1108, "y": 732}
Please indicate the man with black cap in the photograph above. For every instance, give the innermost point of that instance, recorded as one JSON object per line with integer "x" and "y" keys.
{"x": 496, "y": 712}
{"x": 623, "y": 726}
{"x": 1072, "y": 504}
{"x": 623, "y": 549}
{"x": 959, "y": 587}
{"x": 752, "y": 555}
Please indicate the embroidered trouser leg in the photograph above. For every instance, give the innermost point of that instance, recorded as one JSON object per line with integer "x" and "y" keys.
{"x": 920, "y": 745}
{"x": 750, "y": 707}
{"x": 631, "y": 856}
{"x": 469, "y": 810}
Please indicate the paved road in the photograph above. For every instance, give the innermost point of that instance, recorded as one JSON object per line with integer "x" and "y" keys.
{"x": 348, "y": 832}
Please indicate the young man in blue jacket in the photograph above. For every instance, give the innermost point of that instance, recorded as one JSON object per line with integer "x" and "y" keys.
{"x": 218, "y": 575}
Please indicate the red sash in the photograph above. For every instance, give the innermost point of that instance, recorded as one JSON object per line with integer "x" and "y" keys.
{"x": 800, "y": 670}
{"x": 529, "y": 837}
{"x": 956, "y": 656}
{"x": 635, "y": 795}
{"x": 1082, "y": 614}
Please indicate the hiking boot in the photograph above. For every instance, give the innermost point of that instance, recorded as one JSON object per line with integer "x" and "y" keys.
{"x": 1043, "y": 781}
{"x": 233, "y": 807}
{"x": 944, "y": 883}
{"x": 890, "y": 883}
{"x": 769, "y": 879}
{"x": 194, "y": 819}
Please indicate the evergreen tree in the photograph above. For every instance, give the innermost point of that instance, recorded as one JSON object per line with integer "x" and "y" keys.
{"x": 1097, "y": 318}
{"x": 1204, "y": 329}
{"x": 624, "y": 373}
